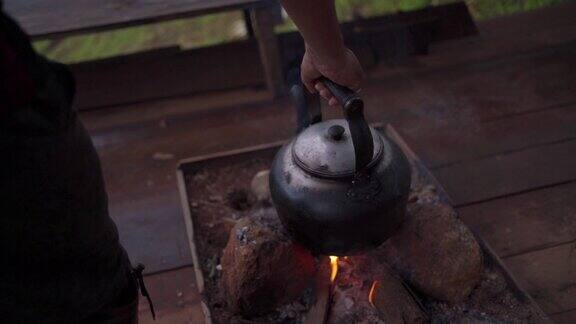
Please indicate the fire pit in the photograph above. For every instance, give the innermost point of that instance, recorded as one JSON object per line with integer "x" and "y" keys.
{"x": 249, "y": 271}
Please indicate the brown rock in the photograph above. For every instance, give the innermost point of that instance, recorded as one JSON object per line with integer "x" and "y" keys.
{"x": 261, "y": 267}
{"x": 436, "y": 252}
{"x": 394, "y": 302}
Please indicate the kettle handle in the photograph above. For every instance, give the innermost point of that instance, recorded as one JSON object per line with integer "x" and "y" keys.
{"x": 353, "y": 107}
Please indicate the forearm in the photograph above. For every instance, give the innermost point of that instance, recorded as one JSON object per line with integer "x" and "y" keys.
{"x": 318, "y": 24}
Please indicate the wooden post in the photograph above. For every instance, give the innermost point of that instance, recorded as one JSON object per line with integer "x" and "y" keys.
{"x": 263, "y": 22}
{"x": 248, "y": 23}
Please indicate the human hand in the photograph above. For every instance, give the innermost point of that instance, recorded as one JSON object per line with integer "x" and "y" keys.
{"x": 343, "y": 69}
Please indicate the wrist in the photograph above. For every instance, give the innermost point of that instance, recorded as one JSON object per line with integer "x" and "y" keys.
{"x": 334, "y": 56}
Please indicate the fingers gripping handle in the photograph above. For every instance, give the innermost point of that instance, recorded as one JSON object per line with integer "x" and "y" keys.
{"x": 349, "y": 99}
{"x": 359, "y": 130}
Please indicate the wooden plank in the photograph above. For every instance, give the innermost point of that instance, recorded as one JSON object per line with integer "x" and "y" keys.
{"x": 156, "y": 111}
{"x": 263, "y": 23}
{"x": 453, "y": 20}
{"x": 134, "y": 154}
{"x": 145, "y": 76}
{"x": 442, "y": 146}
{"x": 549, "y": 276}
{"x": 500, "y": 38}
{"x": 139, "y": 161}
{"x": 465, "y": 95}
{"x": 160, "y": 74}
{"x": 197, "y": 266}
{"x": 176, "y": 299}
{"x": 491, "y": 90}
{"x": 41, "y": 18}
{"x": 410, "y": 33}
{"x": 440, "y": 111}
{"x": 545, "y": 18}
{"x": 568, "y": 317}
{"x": 506, "y": 174}
{"x": 530, "y": 221}
{"x": 147, "y": 219}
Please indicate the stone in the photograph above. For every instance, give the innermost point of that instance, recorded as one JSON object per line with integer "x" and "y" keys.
{"x": 260, "y": 186}
{"x": 394, "y": 302}
{"x": 262, "y": 268}
{"x": 435, "y": 252}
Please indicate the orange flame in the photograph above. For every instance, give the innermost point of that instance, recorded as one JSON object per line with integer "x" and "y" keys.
{"x": 371, "y": 293}
{"x": 334, "y": 265}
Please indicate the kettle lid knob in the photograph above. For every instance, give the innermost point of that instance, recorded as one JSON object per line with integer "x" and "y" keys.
{"x": 336, "y": 132}
{"x": 326, "y": 149}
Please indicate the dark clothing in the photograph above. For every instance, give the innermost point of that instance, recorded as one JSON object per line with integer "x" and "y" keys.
{"x": 17, "y": 63}
{"x": 123, "y": 310}
{"x": 61, "y": 258}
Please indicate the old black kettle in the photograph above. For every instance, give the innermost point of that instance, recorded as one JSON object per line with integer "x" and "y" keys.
{"x": 340, "y": 187}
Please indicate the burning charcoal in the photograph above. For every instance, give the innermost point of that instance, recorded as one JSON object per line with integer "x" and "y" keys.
{"x": 261, "y": 267}
{"x": 260, "y": 186}
{"x": 435, "y": 252}
{"x": 239, "y": 199}
{"x": 394, "y": 302}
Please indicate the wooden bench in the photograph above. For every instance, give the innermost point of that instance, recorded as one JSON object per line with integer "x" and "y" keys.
{"x": 44, "y": 19}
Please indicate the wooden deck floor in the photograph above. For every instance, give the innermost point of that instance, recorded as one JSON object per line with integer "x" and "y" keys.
{"x": 493, "y": 116}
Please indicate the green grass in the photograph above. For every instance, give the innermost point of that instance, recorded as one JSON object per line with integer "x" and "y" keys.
{"x": 218, "y": 28}
{"x": 202, "y": 31}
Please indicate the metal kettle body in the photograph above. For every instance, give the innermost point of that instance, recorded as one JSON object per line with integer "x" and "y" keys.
{"x": 340, "y": 187}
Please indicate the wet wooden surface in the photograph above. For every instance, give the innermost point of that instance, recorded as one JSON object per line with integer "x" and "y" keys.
{"x": 175, "y": 298}
{"x": 529, "y": 221}
{"x": 166, "y": 73}
{"x": 492, "y": 115}
{"x": 509, "y": 173}
{"x": 549, "y": 275}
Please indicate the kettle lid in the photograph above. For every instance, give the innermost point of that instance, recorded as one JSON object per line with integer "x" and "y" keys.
{"x": 326, "y": 150}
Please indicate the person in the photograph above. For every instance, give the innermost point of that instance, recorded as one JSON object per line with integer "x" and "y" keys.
{"x": 61, "y": 258}
{"x": 62, "y": 261}
{"x": 325, "y": 53}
